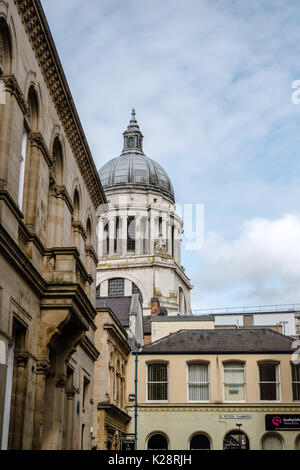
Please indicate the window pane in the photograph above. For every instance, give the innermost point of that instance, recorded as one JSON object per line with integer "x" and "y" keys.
{"x": 198, "y": 382}
{"x": 116, "y": 288}
{"x": 157, "y": 382}
{"x": 296, "y": 372}
{"x": 268, "y": 391}
{"x": 268, "y": 372}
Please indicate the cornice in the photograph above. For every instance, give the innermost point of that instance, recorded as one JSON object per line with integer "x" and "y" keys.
{"x": 89, "y": 348}
{"x": 245, "y": 408}
{"x": 38, "y": 32}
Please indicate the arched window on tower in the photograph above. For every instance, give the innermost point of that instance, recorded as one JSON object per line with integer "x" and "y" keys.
{"x": 136, "y": 290}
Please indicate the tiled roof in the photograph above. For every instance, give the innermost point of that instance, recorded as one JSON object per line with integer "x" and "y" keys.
{"x": 222, "y": 341}
{"x": 119, "y": 305}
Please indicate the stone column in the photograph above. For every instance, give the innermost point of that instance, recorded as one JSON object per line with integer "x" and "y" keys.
{"x": 101, "y": 240}
{"x": 42, "y": 367}
{"x": 111, "y": 234}
{"x": 124, "y": 222}
{"x": 69, "y": 424}
{"x": 169, "y": 239}
{"x": 153, "y": 234}
{"x": 20, "y": 383}
{"x": 138, "y": 236}
{"x": 31, "y": 184}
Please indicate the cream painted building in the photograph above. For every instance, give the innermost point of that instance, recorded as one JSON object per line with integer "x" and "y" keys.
{"x": 139, "y": 231}
{"x": 216, "y": 389}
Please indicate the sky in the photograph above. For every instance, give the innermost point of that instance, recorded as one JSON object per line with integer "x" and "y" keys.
{"x": 211, "y": 82}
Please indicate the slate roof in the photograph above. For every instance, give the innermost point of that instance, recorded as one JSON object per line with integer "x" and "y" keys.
{"x": 222, "y": 341}
{"x": 119, "y": 305}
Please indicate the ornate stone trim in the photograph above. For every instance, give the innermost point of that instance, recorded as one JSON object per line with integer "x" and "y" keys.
{"x": 91, "y": 252}
{"x": 61, "y": 192}
{"x": 61, "y": 381}
{"x": 22, "y": 358}
{"x": 12, "y": 86}
{"x": 42, "y": 366}
{"x": 78, "y": 227}
{"x": 42, "y": 43}
{"x": 36, "y": 139}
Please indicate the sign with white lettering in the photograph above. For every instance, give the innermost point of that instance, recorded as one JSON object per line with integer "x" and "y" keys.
{"x": 235, "y": 416}
{"x": 282, "y": 422}
{"x": 128, "y": 444}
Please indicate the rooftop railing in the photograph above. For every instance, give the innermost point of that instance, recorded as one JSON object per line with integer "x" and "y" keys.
{"x": 284, "y": 308}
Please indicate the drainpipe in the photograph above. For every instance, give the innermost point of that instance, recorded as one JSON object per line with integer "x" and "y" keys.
{"x": 136, "y": 399}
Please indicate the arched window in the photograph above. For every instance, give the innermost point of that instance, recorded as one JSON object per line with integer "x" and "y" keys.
{"x": 58, "y": 161}
{"x": 157, "y": 442}
{"x": 272, "y": 442}
{"x": 76, "y": 206}
{"x": 5, "y": 49}
{"x": 88, "y": 233}
{"x": 297, "y": 443}
{"x": 200, "y": 442}
{"x": 34, "y": 109}
{"x": 236, "y": 440}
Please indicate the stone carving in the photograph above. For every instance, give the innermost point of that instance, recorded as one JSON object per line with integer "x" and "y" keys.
{"x": 61, "y": 381}
{"x": 160, "y": 245}
{"x": 42, "y": 366}
{"x": 22, "y": 358}
{"x": 11, "y": 85}
{"x": 51, "y": 264}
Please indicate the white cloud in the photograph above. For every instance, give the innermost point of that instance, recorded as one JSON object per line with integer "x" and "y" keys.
{"x": 262, "y": 265}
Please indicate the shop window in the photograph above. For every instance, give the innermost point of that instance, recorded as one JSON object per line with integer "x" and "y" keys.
{"x": 157, "y": 383}
{"x": 200, "y": 442}
{"x": 269, "y": 382}
{"x": 234, "y": 381}
{"x": 198, "y": 382}
{"x": 236, "y": 440}
{"x": 157, "y": 442}
{"x": 272, "y": 442}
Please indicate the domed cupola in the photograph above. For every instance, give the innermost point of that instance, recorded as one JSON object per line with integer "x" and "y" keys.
{"x": 133, "y": 169}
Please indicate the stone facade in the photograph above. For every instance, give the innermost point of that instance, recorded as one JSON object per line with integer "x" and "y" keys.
{"x": 110, "y": 416}
{"x": 49, "y": 195}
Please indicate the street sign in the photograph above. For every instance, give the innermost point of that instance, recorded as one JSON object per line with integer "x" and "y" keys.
{"x": 128, "y": 444}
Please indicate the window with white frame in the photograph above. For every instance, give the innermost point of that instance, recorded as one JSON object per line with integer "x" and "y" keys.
{"x": 234, "y": 381}
{"x": 157, "y": 382}
{"x": 296, "y": 381}
{"x": 269, "y": 381}
{"x": 198, "y": 382}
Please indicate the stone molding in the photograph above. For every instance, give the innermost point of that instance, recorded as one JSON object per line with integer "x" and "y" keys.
{"x": 61, "y": 381}
{"x": 36, "y": 139}
{"x": 42, "y": 366}
{"x": 39, "y": 35}
{"x": 12, "y": 86}
{"x": 22, "y": 358}
{"x": 62, "y": 193}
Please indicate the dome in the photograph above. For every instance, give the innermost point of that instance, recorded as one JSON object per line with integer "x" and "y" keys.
{"x": 134, "y": 169}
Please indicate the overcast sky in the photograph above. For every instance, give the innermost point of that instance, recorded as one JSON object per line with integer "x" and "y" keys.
{"x": 211, "y": 82}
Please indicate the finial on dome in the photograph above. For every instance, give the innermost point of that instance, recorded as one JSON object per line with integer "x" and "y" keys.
{"x": 133, "y": 115}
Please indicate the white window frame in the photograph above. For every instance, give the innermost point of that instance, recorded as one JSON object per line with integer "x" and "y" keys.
{"x": 147, "y": 398}
{"x": 243, "y": 364}
{"x": 294, "y": 382}
{"x": 199, "y": 383}
{"x": 277, "y": 364}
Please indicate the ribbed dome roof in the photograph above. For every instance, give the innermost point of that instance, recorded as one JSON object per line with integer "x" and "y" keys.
{"x": 134, "y": 168}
